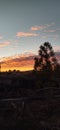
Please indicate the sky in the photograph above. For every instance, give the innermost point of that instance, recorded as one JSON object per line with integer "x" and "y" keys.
{"x": 24, "y": 26}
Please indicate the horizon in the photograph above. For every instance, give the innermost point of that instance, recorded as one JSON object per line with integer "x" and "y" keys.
{"x": 24, "y": 26}
{"x": 21, "y": 62}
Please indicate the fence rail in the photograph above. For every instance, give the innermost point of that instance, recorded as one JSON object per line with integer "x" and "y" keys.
{"x": 29, "y": 98}
{"x": 44, "y": 94}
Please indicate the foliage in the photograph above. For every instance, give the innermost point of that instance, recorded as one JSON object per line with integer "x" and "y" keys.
{"x": 46, "y": 59}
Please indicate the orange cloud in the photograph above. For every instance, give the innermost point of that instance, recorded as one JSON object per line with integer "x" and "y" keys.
{"x": 25, "y": 34}
{"x": 18, "y": 62}
{"x": 41, "y": 27}
{"x": 4, "y": 44}
{"x": 35, "y": 28}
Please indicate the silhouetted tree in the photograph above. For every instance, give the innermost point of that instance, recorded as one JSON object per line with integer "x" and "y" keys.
{"x": 36, "y": 63}
{"x": 0, "y": 66}
{"x": 46, "y": 59}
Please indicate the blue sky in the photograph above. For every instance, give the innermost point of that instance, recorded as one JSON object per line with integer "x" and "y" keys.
{"x": 26, "y": 24}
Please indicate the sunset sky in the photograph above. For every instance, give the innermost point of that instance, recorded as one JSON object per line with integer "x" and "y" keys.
{"x": 24, "y": 26}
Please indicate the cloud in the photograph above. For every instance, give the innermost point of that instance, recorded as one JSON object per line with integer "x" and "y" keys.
{"x": 18, "y": 62}
{"x": 49, "y": 31}
{"x": 1, "y": 37}
{"x": 54, "y": 36}
{"x": 45, "y": 37}
{"x": 35, "y": 28}
{"x": 25, "y": 34}
{"x": 41, "y": 27}
{"x": 56, "y": 48}
{"x": 3, "y": 44}
{"x": 58, "y": 56}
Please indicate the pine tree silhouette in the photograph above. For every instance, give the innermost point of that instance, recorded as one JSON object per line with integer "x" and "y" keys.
{"x": 46, "y": 58}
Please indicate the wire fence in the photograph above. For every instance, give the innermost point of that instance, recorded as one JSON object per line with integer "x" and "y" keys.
{"x": 32, "y": 112}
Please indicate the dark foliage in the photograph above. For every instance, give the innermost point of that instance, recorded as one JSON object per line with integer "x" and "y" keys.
{"x": 46, "y": 59}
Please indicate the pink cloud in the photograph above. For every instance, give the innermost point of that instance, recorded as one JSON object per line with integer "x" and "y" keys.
{"x": 45, "y": 37}
{"x": 41, "y": 27}
{"x": 56, "y": 36}
{"x": 4, "y": 44}
{"x": 25, "y": 34}
{"x": 1, "y": 37}
{"x": 35, "y": 28}
{"x": 49, "y": 31}
{"x": 56, "y": 48}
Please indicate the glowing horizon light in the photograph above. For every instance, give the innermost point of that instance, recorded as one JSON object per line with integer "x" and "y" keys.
{"x": 21, "y": 62}
{"x": 17, "y": 69}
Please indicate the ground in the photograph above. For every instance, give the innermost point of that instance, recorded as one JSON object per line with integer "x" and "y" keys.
{"x": 40, "y": 105}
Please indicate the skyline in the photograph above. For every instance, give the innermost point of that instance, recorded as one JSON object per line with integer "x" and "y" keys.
{"x": 19, "y": 62}
{"x": 25, "y": 25}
